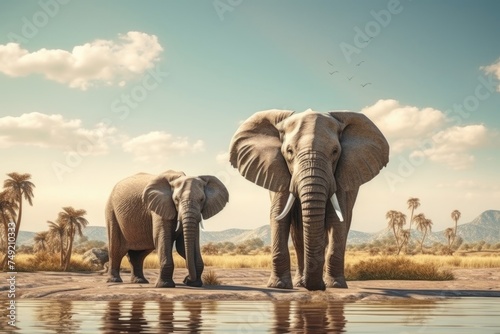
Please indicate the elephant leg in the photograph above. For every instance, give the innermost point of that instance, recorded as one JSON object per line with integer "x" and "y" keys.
{"x": 280, "y": 231}
{"x": 297, "y": 233}
{"x": 116, "y": 245}
{"x": 163, "y": 239}
{"x": 179, "y": 245}
{"x": 337, "y": 239}
{"x": 335, "y": 256}
{"x": 199, "y": 267}
{"x": 136, "y": 259}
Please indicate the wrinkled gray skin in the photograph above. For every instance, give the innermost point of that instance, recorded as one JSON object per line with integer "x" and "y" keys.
{"x": 142, "y": 214}
{"x": 311, "y": 156}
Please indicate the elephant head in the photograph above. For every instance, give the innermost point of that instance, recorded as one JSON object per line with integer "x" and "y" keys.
{"x": 175, "y": 196}
{"x": 311, "y": 155}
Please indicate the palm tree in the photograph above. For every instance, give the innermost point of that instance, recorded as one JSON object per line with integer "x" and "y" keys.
{"x": 21, "y": 187}
{"x": 405, "y": 237}
{"x": 413, "y": 203}
{"x": 56, "y": 232}
{"x": 392, "y": 223}
{"x": 401, "y": 219}
{"x": 449, "y": 233}
{"x": 74, "y": 221}
{"x": 455, "y": 215}
{"x": 424, "y": 225}
{"x": 8, "y": 208}
{"x": 41, "y": 239}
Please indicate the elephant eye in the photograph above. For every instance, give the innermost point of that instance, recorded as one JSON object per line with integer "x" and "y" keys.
{"x": 335, "y": 151}
{"x": 289, "y": 151}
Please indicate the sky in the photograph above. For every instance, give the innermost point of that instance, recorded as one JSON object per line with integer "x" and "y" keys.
{"x": 93, "y": 92}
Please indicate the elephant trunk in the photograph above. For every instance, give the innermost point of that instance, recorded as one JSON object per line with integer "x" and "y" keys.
{"x": 313, "y": 188}
{"x": 190, "y": 230}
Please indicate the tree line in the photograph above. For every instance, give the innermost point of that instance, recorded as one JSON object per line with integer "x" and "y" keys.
{"x": 396, "y": 221}
{"x": 60, "y": 236}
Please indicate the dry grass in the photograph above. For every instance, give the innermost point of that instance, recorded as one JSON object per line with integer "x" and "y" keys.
{"x": 261, "y": 261}
{"x": 43, "y": 261}
{"x": 395, "y": 268}
{"x": 210, "y": 278}
{"x": 460, "y": 260}
{"x": 220, "y": 261}
{"x": 50, "y": 262}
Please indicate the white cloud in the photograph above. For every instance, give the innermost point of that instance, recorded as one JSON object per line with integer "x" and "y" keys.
{"x": 105, "y": 61}
{"x": 424, "y": 133}
{"x": 404, "y": 126}
{"x": 222, "y": 158}
{"x": 53, "y": 131}
{"x": 493, "y": 69}
{"x": 158, "y": 145}
{"x": 452, "y": 146}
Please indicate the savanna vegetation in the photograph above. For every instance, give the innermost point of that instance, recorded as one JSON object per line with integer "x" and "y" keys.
{"x": 58, "y": 239}
{"x": 398, "y": 256}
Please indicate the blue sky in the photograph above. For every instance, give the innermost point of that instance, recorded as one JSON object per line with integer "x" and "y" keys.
{"x": 93, "y": 92}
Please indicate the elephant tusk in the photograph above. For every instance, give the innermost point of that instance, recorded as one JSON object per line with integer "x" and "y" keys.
{"x": 178, "y": 225}
{"x": 336, "y": 206}
{"x": 287, "y": 208}
{"x": 201, "y": 225}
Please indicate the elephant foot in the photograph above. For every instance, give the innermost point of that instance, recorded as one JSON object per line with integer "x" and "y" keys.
{"x": 336, "y": 282}
{"x": 114, "y": 279}
{"x": 298, "y": 281}
{"x": 165, "y": 284}
{"x": 140, "y": 280}
{"x": 280, "y": 283}
{"x": 197, "y": 283}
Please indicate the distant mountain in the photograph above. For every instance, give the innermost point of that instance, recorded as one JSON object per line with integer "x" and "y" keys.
{"x": 99, "y": 233}
{"x": 484, "y": 227}
{"x": 25, "y": 238}
{"x": 220, "y": 236}
{"x": 263, "y": 232}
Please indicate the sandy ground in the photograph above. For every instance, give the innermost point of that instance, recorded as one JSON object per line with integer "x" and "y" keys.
{"x": 246, "y": 284}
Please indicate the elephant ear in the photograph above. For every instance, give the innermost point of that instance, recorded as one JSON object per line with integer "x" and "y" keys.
{"x": 255, "y": 150}
{"x": 365, "y": 150}
{"x": 158, "y": 195}
{"x": 216, "y": 196}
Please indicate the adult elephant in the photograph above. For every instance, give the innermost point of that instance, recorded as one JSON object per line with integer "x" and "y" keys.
{"x": 304, "y": 159}
{"x": 146, "y": 211}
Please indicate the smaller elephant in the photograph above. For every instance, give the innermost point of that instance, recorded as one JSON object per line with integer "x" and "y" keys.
{"x": 145, "y": 212}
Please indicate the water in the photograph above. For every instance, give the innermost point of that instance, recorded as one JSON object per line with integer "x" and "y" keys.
{"x": 462, "y": 315}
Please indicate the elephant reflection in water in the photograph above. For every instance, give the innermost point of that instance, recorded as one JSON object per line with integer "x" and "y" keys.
{"x": 59, "y": 316}
{"x": 308, "y": 317}
{"x": 120, "y": 318}
{"x": 116, "y": 319}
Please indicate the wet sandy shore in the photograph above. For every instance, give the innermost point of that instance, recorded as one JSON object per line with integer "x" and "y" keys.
{"x": 246, "y": 284}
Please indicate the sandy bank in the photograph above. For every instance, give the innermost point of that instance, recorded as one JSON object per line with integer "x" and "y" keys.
{"x": 246, "y": 284}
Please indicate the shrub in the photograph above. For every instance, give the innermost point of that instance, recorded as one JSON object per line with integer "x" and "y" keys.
{"x": 210, "y": 278}
{"x": 395, "y": 268}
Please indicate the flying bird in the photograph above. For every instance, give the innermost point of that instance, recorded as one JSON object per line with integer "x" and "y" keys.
{"x": 361, "y": 62}
{"x": 349, "y": 78}
{"x": 366, "y": 84}
{"x": 329, "y": 63}
{"x": 333, "y": 72}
